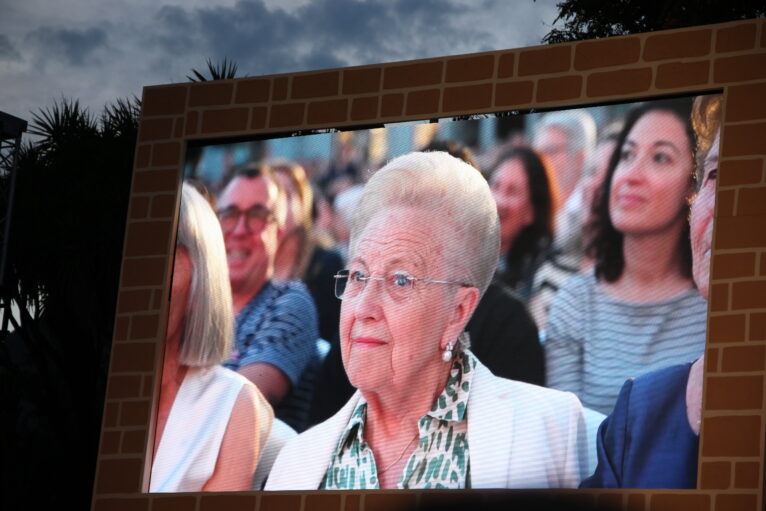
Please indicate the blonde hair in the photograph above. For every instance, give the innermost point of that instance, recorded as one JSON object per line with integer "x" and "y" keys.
{"x": 450, "y": 190}
{"x": 706, "y": 121}
{"x": 208, "y": 321}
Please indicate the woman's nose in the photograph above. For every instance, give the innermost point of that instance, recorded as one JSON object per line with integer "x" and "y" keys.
{"x": 368, "y": 301}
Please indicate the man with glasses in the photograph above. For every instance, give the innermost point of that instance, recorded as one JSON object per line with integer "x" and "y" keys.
{"x": 276, "y": 322}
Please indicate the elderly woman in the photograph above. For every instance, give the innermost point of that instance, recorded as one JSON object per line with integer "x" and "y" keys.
{"x": 424, "y": 245}
{"x": 212, "y": 422}
{"x": 651, "y": 439}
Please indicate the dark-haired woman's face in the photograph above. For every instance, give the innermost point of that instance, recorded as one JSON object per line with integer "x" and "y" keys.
{"x": 651, "y": 184}
{"x": 510, "y": 188}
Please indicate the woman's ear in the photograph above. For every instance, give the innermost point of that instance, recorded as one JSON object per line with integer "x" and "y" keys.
{"x": 465, "y": 302}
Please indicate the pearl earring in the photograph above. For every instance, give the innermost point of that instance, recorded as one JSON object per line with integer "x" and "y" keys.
{"x": 447, "y": 353}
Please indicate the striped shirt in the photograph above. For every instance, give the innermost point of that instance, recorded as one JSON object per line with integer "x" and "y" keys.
{"x": 595, "y": 342}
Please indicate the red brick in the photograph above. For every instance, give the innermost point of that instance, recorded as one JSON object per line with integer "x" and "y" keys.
{"x": 133, "y": 300}
{"x": 133, "y": 357}
{"x": 746, "y": 474}
{"x": 513, "y": 93}
{"x": 636, "y": 502}
{"x": 752, "y": 201}
{"x": 695, "y": 43}
{"x": 163, "y": 503}
{"x": 111, "y": 414}
{"x": 133, "y": 442}
{"x": 740, "y": 69}
{"x": 719, "y": 297}
{"x": 454, "y": 499}
{"x": 740, "y": 502}
{"x": 163, "y": 206}
{"x": 179, "y": 127}
{"x": 731, "y": 436}
{"x": 166, "y": 154}
{"x": 227, "y": 119}
{"x": 711, "y": 360}
{"x": 110, "y": 442}
{"x": 610, "y": 501}
{"x": 121, "y": 325}
{"x": 252, "y": 90}
{"x": 139, "y": 207}
{"x": 118, "y": 476}
{"x": 725, "y": 203}
{"x": 739, "y": 172}
{"x": 412, "y": 75}
{"x": 290, "y": 114}
{"x": 163, "y": 101}
{"x": 763, "y": 35}
{"x": 361, "y": 81}
{"x": 745, "y": 102}
{"x": 470, "y": 68}
{"x": 143, "y": 272}
{"x": 731, "y": 266}
{"x": 743, "y": 358}
{"x": 144, "y": 326}
{"x": 233, "y": 503}
{"x": 552, "y": 59}
{"x": 606, "y": 53}
{"x": 559, "y": 89}
{"x": 315, "y": 85}
{"x": 146, "y": 386}
{"x": 322, "y": 502}
{"x": 280, "y": 502}
{"x": 388, "y": 501}
{"x": 734, "y": 392}
{"x": 716, "y": 475}
{"x": 741, "y": 37}
{"x": 392, "y": 105}
{"x": 757, "y": 327}
{"x": 192, "y": 123}
{"x": 763, "y": 264}
{"x": 155, "y": 129}
{"x": 675, "y": 75}
{"x": 675, "y": 502}
{"x": 422, "y": 102}
{"x": 748, "y": 295}
{"x": 134, "y": 413}
{"x": 330, "y": 111}
{"x": 121, "y": 387}
{"x": 505, "y": 65}
{"x": 258, "y": 117}
{"x": 727, "y": 328}
{"x": 279, "y": 89}
{"x": 351, "y": 502}
{"x": 143, "y": 155}
{"x": 738, "y": 232}
{"x": 468, "y": 98}
{"x": 139, "y": 503}
{"x": 625, "y": 81}
{"x": 211, "y": 94}
{"x": 364, "y": 108}
{"x": 147, "y": 238}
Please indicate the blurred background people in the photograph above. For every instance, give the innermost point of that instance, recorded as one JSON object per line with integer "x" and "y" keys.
{"x": 651, "y": 438}
{"x": 407, "y": 295}
{"x": 276, "y": 322}
{"x": 212, "y": 422}
{"x": 638, "y": 309}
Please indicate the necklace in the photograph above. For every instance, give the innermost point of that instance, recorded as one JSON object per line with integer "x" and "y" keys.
{"x": 400, "y": 454}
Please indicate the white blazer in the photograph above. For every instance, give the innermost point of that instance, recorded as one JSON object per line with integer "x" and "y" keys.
{"x": 519, "y": 436}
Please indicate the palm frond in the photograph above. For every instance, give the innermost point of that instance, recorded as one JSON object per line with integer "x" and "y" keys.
{"x": 224, "y": 70}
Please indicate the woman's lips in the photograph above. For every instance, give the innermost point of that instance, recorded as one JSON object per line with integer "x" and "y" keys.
{"x": 368, "y": 342}
{"x": 629, "y": 200}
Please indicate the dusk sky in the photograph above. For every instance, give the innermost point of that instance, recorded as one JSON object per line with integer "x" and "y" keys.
{"x": 99, "y": 50}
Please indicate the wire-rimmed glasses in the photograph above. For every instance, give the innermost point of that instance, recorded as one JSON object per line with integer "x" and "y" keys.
{"x": 398, "y": 284}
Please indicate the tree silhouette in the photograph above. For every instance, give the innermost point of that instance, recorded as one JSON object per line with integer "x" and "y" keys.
{"x": 591, "y": 19}
{"x": 224, "y": 70}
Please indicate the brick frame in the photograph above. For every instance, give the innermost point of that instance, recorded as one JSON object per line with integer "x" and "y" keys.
{"x": 730, "y": 57}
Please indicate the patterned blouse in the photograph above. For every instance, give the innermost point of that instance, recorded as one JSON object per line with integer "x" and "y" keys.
{"x": 440, "y": 459}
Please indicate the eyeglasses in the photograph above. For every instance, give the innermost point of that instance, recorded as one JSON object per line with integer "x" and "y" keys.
{"x": 256, "y": 218}
{"x": 398, "y": 284}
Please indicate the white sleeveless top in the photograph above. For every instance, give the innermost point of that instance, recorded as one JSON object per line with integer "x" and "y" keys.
{"x": 188, "y": 450}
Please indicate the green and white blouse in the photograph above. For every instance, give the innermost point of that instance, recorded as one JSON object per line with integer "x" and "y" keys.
{"x": 440, "y": 459}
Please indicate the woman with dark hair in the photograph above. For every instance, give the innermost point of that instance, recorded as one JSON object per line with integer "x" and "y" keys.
{"x": 638, "y": 310}
{"x": 524, "y": 193}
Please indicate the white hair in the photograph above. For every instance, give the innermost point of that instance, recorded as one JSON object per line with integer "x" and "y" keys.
{"x": 450, "y": 190}
{"x": 208, "y": 322}
{"x": 577, "y": 124}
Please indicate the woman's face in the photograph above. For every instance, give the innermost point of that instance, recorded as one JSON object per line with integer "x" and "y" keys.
{"x": 387, "y": 342}
{"x": 651, "y": 183}
{"x": 179, "y": 292}
{"x": 701, "y": 220}
{"x": 510, "y": 188}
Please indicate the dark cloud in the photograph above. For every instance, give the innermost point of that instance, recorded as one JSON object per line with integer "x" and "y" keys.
{"x": 76, "y": 47}
{"x": 7, "y": 50}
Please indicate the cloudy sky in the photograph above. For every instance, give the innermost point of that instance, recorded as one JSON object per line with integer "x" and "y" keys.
{"x": 98, "y": 50}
